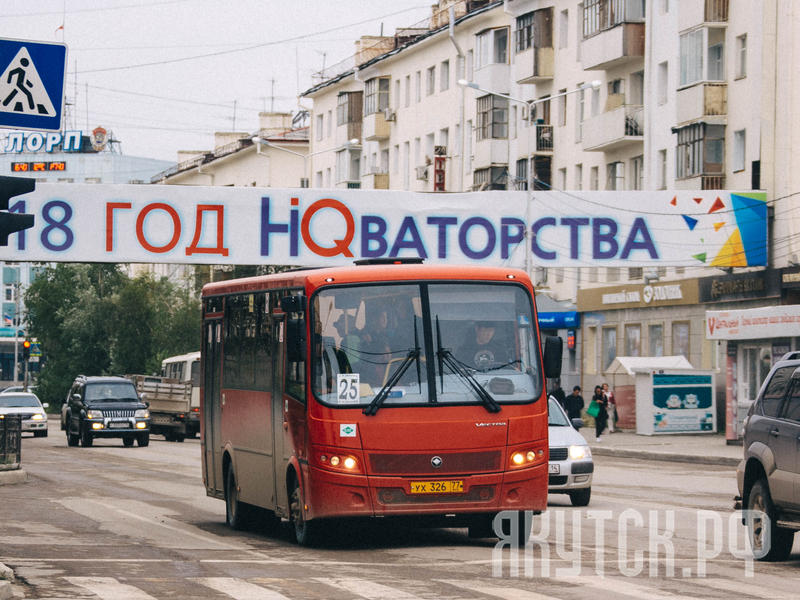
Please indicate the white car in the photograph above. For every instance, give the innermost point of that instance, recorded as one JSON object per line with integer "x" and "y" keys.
{"x": 34, "y": 419}
{"x": 571, "y": 465}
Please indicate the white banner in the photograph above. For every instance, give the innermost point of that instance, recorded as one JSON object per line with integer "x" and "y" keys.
{"x": 754, "y": 323}
{"x": 310, "y": 227}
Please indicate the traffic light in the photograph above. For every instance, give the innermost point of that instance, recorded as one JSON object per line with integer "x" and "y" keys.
{"x": 26, "y": 350}
{"x": 11, "y": 222}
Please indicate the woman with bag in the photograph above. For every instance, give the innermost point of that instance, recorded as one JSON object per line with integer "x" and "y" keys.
{"x": 597, "y": 409}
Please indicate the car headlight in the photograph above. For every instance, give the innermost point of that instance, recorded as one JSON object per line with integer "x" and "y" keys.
{"x": 576, "y": 452}
{"x": 37, "y": 417}
{"x": 95, "y": 414}
{"x": 142, "y": 413}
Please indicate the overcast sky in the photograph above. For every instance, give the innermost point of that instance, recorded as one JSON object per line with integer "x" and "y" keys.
{"x": 137, "y": 67}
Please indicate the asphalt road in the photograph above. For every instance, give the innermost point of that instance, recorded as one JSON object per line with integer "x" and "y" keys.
{"x": 135, "y": 524}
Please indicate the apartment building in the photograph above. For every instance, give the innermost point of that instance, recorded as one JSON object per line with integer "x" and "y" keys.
{"x": 688, "y": 95}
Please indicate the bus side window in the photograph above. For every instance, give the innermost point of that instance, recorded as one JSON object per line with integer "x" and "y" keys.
{"x": 295, "y": 381}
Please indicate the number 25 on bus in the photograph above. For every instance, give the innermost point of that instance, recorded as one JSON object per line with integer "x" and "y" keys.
{"x": 377, "y": 390}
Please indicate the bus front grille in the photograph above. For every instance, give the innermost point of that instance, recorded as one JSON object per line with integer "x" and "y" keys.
{"x": 422, "y": 463}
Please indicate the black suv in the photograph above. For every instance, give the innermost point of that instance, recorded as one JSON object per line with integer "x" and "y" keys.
{"x": 769, "y": 475}
{"x": 106, "y": 407}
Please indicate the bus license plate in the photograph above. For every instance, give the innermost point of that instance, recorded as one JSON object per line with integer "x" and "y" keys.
{"x": 119, "y": 425}
{"x": 555, "y": 469}
{"x": 436, "y": 487}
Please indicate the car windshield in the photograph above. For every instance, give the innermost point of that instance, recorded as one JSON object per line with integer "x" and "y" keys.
{"x": 12, "y": 400}
{"x": 555, "y": 415}
{"x": 425, "y": 343}
{"x": 110, "y": 391}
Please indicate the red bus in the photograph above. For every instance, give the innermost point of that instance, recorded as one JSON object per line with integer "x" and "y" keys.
{"x": 376, "y": 390}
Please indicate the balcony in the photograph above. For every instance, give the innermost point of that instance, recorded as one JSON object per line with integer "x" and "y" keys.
{"x": 490, "y": 152}
{"x": 701, "y": 101}
{"x": 696, "y": 13}
{"x": 614, "y": 129}
{"x": 534, "y": 65}
{"x": 544, "y": 139}
{"x": 614, "y": 47}
{"x": 494, "y": 77}
{"x": 375, "y": 181}
{"x": 701, "y": 182}
{"x": 348, "y": 131}
{"x": 376, "y": 127}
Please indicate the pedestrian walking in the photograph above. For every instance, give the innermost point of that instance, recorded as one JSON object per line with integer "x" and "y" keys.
{"x": 612, "y": 407}
{"x": 559, "y": 395}
{"x": 574, "y": 403}
{"x": 599, "y": 404}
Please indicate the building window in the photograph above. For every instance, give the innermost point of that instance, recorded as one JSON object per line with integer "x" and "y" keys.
{"x": 492, "y": 117}
{"x": 656, "y": 340}
{"x": 396, "y": 159}
{"x": 406, "y": 165}
{"x": 384, "y": 161}
{"x": 330, "y": 124}
{"x": 633, "y": 340}
{"x": 534, "y": 30}
{"x": 741, "y": 56}
{"x": 376, "y": 95}
{"x": 492, "y": 178}
{"x": 580, "y": 113}
{"x": 562, "y": 179}
{"x": 470, "y": 65}
{"x": 444, "y": 76}
{"x": 522, "y": 174}
{"x": 637, "y": 181}
{"x": 396, "y": 94}
{"x": 562, "y": 108}
{"x": 349, "y": 108}
{"x": 615, "y": 177}
{"x": 408, "y": 90}
{"x": 318, "y": 179}
{"x": 491, "y": 48}
{"x": 599, "y": 15}
{"x": 700, "y": 150}
{"x": 594, "y": 179}
{"x": 418, "y": 81}
{"x": 563, "y": 29}
{"x": 348, "y": 166}
{"x": 691, "y": 57}
{"x": 716, "y": 61}
{"x": 664, "y": 11}
{"x": 635, "y": 273}
{"x": 320, "y": 128}
{"x": 663, "y": 82}
{"x": 592, "y": 274}
{"x": 468, "y": 149}
{"x": 612, "y": 274}
{"x": 739, "y": 150}
{"x": 328, "y": 177}
{"x": 680, "y": 339}
{"x": 609, "y": 346}
{"x": 431, "y": 82}
{"x": 579, "y": 177}
{"x": 662, "y": 172}
{"x": 559, "y": 274}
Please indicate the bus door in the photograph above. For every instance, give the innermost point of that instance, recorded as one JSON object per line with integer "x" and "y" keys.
{"x": 280, "y": 425}
{"x": 212, "y": 406}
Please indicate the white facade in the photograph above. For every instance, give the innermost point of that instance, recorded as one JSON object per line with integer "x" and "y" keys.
{"x": 727, "y": 113}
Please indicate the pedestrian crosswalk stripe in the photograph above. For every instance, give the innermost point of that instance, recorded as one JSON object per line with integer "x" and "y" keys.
{"x": 108, "y": 588}
{"x": 367, "y": 589}
{"x": 22, "y": 90}
{"x": 236, "y": 588}
{"x": 622, "y": 586}
{"x": 506, "y": 593}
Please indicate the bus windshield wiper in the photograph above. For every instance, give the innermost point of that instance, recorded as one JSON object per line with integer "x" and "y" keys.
{"x": 413, "y": 355}
{"x": 445, "y": 356}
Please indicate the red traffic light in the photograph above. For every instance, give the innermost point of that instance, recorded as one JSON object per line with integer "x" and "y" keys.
{"x": 26, "y": 350}
{"x": 26, "y": 344}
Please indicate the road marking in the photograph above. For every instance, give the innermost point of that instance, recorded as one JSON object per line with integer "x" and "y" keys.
{"x": 366, "y": 589}
{"x": 738, "y": 587}
{"x": 620, "y": 585}
{"x": 109, "y": 588}
{"x": 496, "y": 591}
{"x": 236, "y": 588}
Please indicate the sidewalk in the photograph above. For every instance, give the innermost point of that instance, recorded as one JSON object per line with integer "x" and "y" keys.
{"x": 706, "y": 449}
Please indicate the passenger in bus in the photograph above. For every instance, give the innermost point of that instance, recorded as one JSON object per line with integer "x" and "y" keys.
{"x": 374, "y": 350}
{"x": 486, "y": 349}
{"x": 347, "y": 355}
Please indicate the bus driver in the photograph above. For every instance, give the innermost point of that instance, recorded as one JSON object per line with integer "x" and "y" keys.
{"x": 487, "y": 349}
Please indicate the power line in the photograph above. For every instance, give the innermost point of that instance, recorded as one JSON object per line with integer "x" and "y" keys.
{"x": 93, "y": 10}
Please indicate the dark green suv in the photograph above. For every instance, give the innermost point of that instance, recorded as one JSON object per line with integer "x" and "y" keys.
{"x": 106, "y": 407}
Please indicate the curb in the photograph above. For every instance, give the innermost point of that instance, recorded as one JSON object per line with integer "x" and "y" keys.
{"x": 724, "y": 461}
{"x": 13, "y": 477}
{"x": 5, "y": 590}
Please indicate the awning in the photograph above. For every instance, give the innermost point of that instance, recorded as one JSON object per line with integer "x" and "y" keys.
{"x": 559, "y": 320}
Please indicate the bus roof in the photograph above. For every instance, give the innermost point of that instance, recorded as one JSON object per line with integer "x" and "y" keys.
{"x": 182, "y": 358}
{"x": 314, "y": 278}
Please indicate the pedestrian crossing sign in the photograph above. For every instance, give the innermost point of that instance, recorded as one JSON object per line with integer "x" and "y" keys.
{"x": 32, "y": 79}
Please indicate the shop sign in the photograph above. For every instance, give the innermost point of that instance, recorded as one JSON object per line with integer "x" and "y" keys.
{"x": 753, "y": 324}
{"x": 742, "y": 286}
{"x": 638, "y": 296}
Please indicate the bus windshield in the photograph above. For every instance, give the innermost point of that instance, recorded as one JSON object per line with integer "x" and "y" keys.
{"x": 428, "y": 343}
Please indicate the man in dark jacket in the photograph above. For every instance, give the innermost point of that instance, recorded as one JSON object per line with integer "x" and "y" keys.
{"x": 559, "y": 395}
{"x": 574, "y": 404}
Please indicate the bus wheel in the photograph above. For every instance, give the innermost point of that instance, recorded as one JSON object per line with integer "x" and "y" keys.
{"x": 306, "y": 533}
{"x": 235, "y": 510}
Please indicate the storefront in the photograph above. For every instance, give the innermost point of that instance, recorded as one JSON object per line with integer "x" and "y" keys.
{"x": 562, "y": 319}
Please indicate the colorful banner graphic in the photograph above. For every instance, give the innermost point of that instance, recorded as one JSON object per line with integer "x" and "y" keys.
{"x": 309, "y": 227}
{"x": 683, "y": 403}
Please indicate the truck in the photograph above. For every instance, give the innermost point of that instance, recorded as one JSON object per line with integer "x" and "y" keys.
{"x": 169, "y": 401}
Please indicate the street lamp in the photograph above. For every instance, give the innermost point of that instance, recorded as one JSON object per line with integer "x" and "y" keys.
{"x": 260, "y": 141}
{"x": 595, "y": 85}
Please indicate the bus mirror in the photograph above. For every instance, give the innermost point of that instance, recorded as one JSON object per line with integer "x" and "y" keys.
{"x": 553, "y": 347}
{"x": 293, "y": 304}
{"x": 296, "y": 340}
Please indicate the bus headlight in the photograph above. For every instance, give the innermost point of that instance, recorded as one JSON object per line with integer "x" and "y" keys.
{"x": 349, "y": 462}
